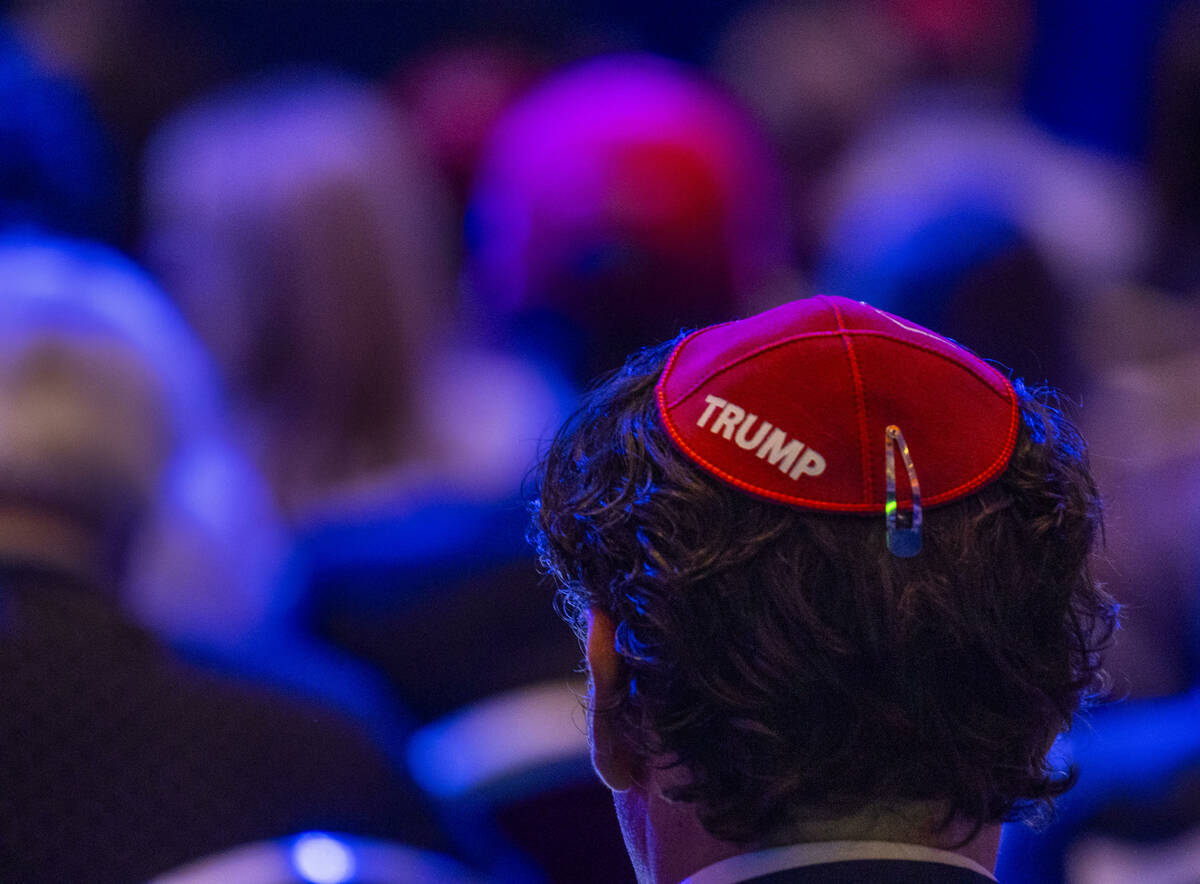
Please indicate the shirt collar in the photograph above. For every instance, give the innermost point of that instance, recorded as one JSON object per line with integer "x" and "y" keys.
{"x": 776, "y": 859}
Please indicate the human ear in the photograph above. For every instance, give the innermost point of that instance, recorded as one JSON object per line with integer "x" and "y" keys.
{"x": 610, "y": 758}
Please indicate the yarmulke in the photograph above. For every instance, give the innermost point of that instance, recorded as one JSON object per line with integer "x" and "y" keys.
{"x": 795, "y": 404}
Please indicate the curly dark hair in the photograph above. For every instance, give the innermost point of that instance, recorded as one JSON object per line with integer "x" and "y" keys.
{"x": 788, "y": 663}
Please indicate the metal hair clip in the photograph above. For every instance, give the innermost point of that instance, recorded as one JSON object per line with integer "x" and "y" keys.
{"x": 903, "y": 529}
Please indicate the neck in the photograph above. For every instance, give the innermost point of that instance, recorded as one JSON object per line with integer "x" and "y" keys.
{"x": 665, "y": 840}
{"x": 903, "y": 823}
{"x": 667, "y": 843}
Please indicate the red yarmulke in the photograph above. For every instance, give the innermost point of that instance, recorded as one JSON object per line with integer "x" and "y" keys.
{"x": 793, "y": 404}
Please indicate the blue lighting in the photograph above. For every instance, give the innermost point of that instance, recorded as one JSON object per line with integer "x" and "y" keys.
{"x": 320, "y": 859}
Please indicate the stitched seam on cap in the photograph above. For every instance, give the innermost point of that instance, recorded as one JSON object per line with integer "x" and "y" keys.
{"x": 990, "y": 382}
{"x": 660, "y": 389}
{"x": 990, "y": 472}
{"x": 1005, "y": 394}
{"x": 860, "y": 405}
{"x": 996, "y": 466}
{"x": 734, "y": 363}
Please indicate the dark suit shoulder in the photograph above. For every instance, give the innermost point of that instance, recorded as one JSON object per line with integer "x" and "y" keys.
{"x": 121, "y": 762}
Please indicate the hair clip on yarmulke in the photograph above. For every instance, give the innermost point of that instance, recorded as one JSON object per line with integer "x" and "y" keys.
{"x": 903, "y": 529}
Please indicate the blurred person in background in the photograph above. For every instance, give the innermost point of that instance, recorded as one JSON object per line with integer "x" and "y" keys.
{"x": 817, "y": 74}
{"x": 306, "y": 235}
{"x": 899, "y": 101}
{"x": 623, "y": 199}
{"x": 813, "y": 74}
{"x": 205, "y": 561}
{"x": 121, "y": 761}
{"x": 455, "y": 94}
{"x": 1136, "y": 812}
{"x": 1136, "y": 325}
{"x": 971, "y": 273}
{"x": 308, "y": 240}
{"x": 1141, "y": 344}
{"x": 935, "y": 152}
{"x": 56, "y": 162}
{"x": 303, "y": 244}
{"x": 128, "y": 62}
{"x": 209, "y": 542}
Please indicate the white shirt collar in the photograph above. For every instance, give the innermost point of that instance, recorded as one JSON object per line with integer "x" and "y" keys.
{"x": 777, "y": 859}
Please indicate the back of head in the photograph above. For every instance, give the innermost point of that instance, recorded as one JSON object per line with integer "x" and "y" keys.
{"x": 969, "y": 271}
{"x": 304, "y": 236}
{"x": 626, "y": 197}
{"x": 773, "y": 652}
{"x": 100, "y": 383}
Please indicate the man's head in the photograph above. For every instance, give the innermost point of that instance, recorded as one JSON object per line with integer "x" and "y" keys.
{"x": 102, "y": 387}
{"x": 620, "y": 199}
{"x": 759, "y": 654}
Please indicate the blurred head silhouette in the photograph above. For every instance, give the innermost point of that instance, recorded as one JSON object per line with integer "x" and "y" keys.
{"x": 100, "y": 386}
{"x": 619, "y": 201}
{"x": 304, "y": 237}
{"x": 455, "y": 94}
{"x": 114, "y": 457}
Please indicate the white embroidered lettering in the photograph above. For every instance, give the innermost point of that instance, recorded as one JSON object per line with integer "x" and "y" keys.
{"x": 714, "y": 402}
{"x": 778, "y": 453}
{"x": 750, "y": 444}
{"x": 810, "y": 464}
{"x": 728, "y": 420}
{"x": 767, "y": 441}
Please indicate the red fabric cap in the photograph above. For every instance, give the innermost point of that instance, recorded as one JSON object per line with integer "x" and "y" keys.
{"x": 792, "y": 405}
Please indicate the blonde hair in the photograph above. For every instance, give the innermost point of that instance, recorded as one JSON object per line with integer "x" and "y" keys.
{"x": 304, "y": 236}
{"x": 99, "y": 379}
